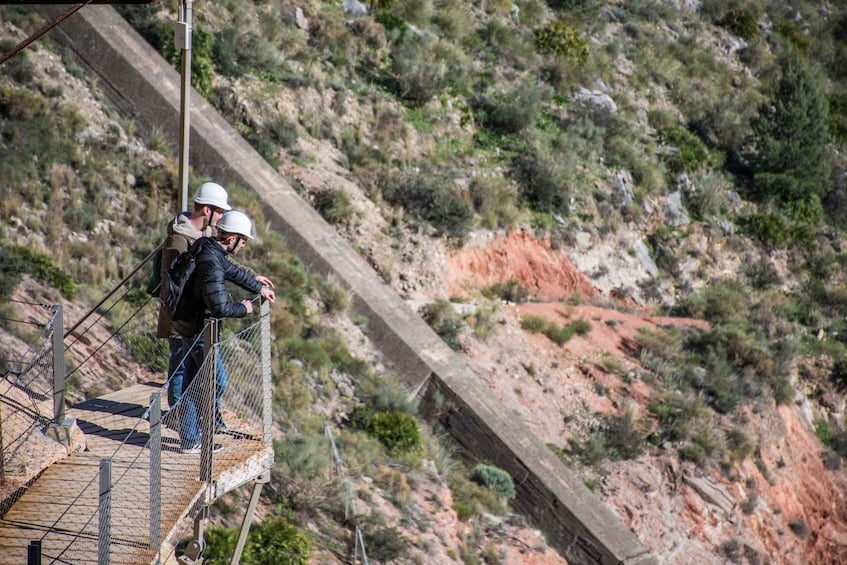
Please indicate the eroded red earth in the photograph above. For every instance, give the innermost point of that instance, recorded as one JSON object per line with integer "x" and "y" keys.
{"x": 781, "y": 505}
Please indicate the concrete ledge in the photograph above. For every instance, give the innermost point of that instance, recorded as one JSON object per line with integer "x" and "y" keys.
{"x": 146, "y": 88}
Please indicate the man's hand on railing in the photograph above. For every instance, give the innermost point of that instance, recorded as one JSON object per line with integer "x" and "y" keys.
{"x": 264, "y": 281}
{"x": 248, "y": 304}
{"x": 268, "y": 294}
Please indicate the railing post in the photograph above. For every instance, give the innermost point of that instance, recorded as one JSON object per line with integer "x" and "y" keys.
{"x": 104, "y": 533}
{"x": 33, "y": 553}
{"x": 207, "y": 400}
{"x": 267, "y": 390}
{"x": 2, "y": 452}
{"x": 155, "y": 470}
{"x": 58, "y": 365}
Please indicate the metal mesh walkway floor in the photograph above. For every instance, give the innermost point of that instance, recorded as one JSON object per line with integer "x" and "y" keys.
{"x": 60, "y": 507}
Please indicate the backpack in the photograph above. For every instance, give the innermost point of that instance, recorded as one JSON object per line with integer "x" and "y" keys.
{"x": 176, "y": 278}
{"x": 154, "y": 283}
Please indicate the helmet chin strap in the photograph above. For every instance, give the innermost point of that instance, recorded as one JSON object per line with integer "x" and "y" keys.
{"x": 207, "y": 220}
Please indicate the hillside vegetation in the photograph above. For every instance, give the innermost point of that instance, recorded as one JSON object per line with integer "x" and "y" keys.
{"x": 687, "y": 157}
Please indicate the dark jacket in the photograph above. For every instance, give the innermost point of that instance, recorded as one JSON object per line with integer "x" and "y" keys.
{"x": 181, "y": 234}
{"x": 206, "y": 294}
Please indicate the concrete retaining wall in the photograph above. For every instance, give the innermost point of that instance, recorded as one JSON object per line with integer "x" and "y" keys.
{"x": 145, "y": 88}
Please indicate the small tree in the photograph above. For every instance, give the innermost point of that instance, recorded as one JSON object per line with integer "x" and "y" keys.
{"x": 792, "y": 159}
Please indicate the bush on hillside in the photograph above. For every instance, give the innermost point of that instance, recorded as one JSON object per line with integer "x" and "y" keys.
{"x": 513, "y": 110}
{"x": 423, "y": 67}
{"x": 495, "y": 200}
{"x": 543, "y": 185}
{"x": 442, "y": 318}
{"x": 429, "y": 196}
{"x": 562, "y": 40}
{"x": 396, "y": 431}
{"x": 271, "y": 541}
{"x": 494, "y": 478}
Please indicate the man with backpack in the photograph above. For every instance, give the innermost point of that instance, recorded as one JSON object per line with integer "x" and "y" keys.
{"x": 205, "y": 296}
{"x": 210, "y": 202}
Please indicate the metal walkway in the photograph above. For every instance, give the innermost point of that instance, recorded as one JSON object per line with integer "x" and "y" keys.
{"x": 63, "y": 500}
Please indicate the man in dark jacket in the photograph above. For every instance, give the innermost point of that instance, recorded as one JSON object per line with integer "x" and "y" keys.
{"x": 206, "y": 297}
{"x": 210, "y": 202}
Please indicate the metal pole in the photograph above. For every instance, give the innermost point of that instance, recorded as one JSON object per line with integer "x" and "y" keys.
{"x": 182, "y": 40}
{"x": 104, "y": 532}
{"x": 248, "y": 518}
{"x": 58, "y": 365}
{"x": 155, "y": 470}
{"x": 33, "y": 553}
{"x": 206, "y": 408}
{"x": 267, "y": 384}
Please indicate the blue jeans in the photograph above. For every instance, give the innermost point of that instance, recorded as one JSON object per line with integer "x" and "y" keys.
{"x": 176, "y": 373}
{"x": 189, "y": 424}
{"x": 176, "y": 370}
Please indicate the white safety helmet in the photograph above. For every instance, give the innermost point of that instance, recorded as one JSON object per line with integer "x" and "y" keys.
{"x": 236, "y": 222}
{"x": 212, "y": 194}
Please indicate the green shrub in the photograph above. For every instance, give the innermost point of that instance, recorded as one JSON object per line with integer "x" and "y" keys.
{"x": 511, "y": 44}
{"x": 562, "y": 40}
{"x": 693, "y": 452}
{"x": 558, "y": 334}
{"x": 495, "y": 200}
{"x": 534, "y": 324}
{"x": 677, "y": 415}
{"x": 770, "y": 228}
{"x": 422, "y": 67}
{"x": 441, "y": 317}
{"x": 742, "y": 21}
{"x": 311, "y": 352}
{"x": 384, "y": 392}
{"x": 590, "y": 451}
{"x": 19, "y": 67}
{"x": 580, "y": 327}
{"x": 273, "y": 541}
{"x": 220, "y": 545}
{"x": 334, "y": 298}
{"x": 334, "y": 205}
{"x": 17, "y": 261}
{"x": 740, "y": 445}
{"x": 396, "y": 431}
{"x": 512, "y": 111}
{"x": 510, "y": 291}
{"x": 624, "y": 438}
{"x": 795, "y": 36}
{"x": 236, "y": 52}
{"x": 691, "y": 153}
{"x": 430, "y": 197}
{"x": 543, "y": 184}
{"x": 149, "y": 351}
{"x": 494, "y": 478}
{"x": 471, "y": 499}
{"x": 385, "y": 545}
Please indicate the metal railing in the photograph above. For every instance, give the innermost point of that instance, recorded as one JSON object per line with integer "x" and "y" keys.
{"x": 129, "y": 507}
{"x": 28, "y": 384}
{"x": 123, "y": 511}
